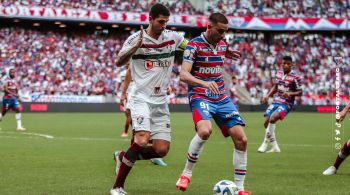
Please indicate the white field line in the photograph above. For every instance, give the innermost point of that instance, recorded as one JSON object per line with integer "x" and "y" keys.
{"x": 27, "y": 133}
{"x": 123, "y": 139}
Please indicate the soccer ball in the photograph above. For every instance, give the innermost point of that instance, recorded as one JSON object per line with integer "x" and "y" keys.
{"x": 225, "y": 187}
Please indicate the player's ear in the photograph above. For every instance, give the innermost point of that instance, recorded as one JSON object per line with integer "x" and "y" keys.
{"x": 209, "y": 26}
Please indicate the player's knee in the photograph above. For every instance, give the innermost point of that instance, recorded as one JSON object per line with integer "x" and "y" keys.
{"x": 162, "y": 151}
{"x": 241, "y": 142}
{"x": 273, "y": 118}
{"x": 204, "y": 134}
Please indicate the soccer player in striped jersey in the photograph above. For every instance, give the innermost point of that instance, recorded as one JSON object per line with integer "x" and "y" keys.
{"x": 344, "y": 151}
{"x": 11, "y": 98}
{"x": 287, "y": 86}
{"x": 201, "y": 69}
{"x": 151, "y": 54}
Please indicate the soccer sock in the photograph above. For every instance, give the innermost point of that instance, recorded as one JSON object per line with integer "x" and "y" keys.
{"x": 194, "y": 150}
{"x": 240, "y": 167}
{"x": 128, "y": 161}
{"x": 271, "y": 133}
{"x": 343, "y": 153}
{"x": 18, "y": 118}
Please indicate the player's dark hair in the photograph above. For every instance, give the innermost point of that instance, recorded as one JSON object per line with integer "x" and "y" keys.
{"x": 159, "y": 9}
{"x": 218, "y": 17}
{"x": 288, "y": 58}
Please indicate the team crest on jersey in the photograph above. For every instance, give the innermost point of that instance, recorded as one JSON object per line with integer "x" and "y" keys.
{"x": 140, "y": 119}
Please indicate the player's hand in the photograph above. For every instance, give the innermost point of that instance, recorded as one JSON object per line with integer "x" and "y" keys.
{"x": 341, "y": 117}
{"x": 123, "y": 98}
{"x": 286, "y": 94}
{"x": 233, "y": 54}
{"x": 169, "y": 90}
{"x": 140, "y": 40}
{"x": 213, "y": 87}
{"x": 264, "y": 100}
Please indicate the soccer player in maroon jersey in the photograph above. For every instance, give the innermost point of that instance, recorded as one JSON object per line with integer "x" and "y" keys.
{"x": 344, "y": 151}
{"x": 11, "y": 98}
{"x": 286, "y": 87}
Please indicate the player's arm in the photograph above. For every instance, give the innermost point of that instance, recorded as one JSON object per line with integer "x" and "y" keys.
{"x": 126, "y": 84}
{"x": 343, "y": 113}
{"x": 187, "y": 77}
{"x": 272, "y": 91}
{"x": 126, "y": 53}
{"x": 232, "y": 54}
{"x": 298, "y": 92}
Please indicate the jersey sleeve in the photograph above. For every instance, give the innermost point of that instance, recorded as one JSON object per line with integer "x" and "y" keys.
{"x": 129, "y": 43}
{"x": 190, "y": 52}
{"x": 180, "y": 41}
{"x": 297, "y": 81}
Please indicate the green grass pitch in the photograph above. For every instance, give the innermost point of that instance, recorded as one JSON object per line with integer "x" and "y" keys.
{"x": 78, "y": 160}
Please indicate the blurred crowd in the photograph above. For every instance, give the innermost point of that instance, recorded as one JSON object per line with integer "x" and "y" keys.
{"x": 313, "y": 56}
{"x": 69, "y": 63}
{"x": 175, "y": 6}
{"x": 281, "y": 8}
{"x": 257, "y": 8}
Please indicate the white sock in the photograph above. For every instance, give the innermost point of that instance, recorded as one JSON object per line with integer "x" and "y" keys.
{"x": 240, "y": 167}
{"x": 271, "y": 137}
{"x": 0, "y": 116}
{"x": 194, "y": 150}
{"x": 18, "y": 118}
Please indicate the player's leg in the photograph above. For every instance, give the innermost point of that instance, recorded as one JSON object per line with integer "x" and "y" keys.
{"x": 271, "y": 130}
{"x": 269, "y": 111}
{"x": 264, "y": 145}
{"x": 239, "y": 155}
{"x": 201, "y": 117}
{"x": 232, "y": 124}
{"x": 156, "y": 161}
{"x": 4, "y": 109}
{"x": 343, "y": 153}
{"x": 126, "y": 160}
{"x": 195, "y": 148}
{"x": 127, "y": 123}
{"x": 18, "y": 115}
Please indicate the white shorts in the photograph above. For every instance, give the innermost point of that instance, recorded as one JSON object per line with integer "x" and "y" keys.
{"x": 154, "y": 118}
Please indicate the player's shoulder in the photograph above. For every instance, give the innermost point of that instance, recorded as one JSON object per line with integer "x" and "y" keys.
{"x": 294, "y": 74}
{"x": 197, "y": 39}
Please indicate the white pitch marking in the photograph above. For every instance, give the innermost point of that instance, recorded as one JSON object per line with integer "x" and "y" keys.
{"x": 26, "y": 133}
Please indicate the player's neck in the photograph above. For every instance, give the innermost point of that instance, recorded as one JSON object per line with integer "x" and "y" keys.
{"x": 287, "y": 72}
{"x": 152, "y": 34}
{"x": 210, "y": 41}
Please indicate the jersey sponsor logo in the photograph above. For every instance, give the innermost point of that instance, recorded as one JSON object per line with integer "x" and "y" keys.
{"x": 150, "y": 64}
{"x": 210, "y": 70}
{"x": 234, "y": 113}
